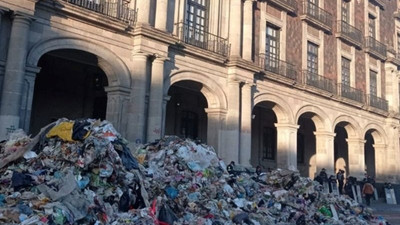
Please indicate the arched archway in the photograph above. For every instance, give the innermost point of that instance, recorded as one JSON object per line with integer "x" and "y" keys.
{"x": 270, "y": 112}
{"x": 197, "y": 106}
{"x": 348, "y": 145}
{"x": 374, "y": 147}
{"x": 96, "y": 68}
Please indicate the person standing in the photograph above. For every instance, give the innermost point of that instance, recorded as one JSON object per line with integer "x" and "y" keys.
{"x": 340, "y": 179}
{"x": 368, "y": 192}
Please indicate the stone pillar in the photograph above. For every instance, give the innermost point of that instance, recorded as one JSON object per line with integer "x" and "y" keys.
{"x": 143, "y": 14}
{"x": 164, "y": 114}
{"x": 245, "y": 125}
{"x": 231, "y": 136}
{"x": 356, "y": 157}
{"x": 155, "y": 114}
{"x": 325, "y": 151}
{"x": 137, "y": 103}
{"x": 235, "y": 17}
{"x": 14, "y": 75}
{"x": 392, "y": 87}
{"x": 161, "y": 15}
{"x": 286, "y": 146}
{"x": 27, "y": 97}
{"x": 383, "y": 167}
{"x": 247, "y": 29}
{"x": 215, "y": 119}
{"x": 117, "y": 102}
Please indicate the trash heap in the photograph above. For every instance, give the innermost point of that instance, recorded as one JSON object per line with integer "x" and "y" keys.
{"x": 82, "y": 172}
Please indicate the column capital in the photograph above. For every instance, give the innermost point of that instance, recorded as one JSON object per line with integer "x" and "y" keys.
{"x": 22, "y": 17}
{"x": 249, "y": 1}
{"x": 324, "y": 133}
{"x": 215, "y": 111}
{"x": 286, "y": 125}
{"x": 356, "y": 140}
{"x": 117, "y": 90}
{"x": 379, "y": 146}
{"x": 247, "y": 84}
{"x": 166, "y": 98}
{"x": 159, "y": 58}
{"x": 138, "y": 53}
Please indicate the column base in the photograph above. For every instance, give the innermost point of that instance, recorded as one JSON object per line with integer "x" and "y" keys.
{"x": 8, "y": 125}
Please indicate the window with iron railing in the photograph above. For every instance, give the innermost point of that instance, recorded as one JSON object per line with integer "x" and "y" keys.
{"x": 349, "y": 92}
{"x": 117, "y": 10}
{"x": 345, "y": 11}
{"x": 272, "y": 47}
{"x": 371, "y": 26}
{"x": 312, "y": 58}
{"x": 197, "y": 18}
{"x": 346, "y": 71}
{"x": 373, "y": 89}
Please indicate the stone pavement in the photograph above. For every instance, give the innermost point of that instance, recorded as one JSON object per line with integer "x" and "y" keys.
{"x": 390, "y": 212}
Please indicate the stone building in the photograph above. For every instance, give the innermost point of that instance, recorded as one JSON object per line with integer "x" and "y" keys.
{"x": 280, "y": 83}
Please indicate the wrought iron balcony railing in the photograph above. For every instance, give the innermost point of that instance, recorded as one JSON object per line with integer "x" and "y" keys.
{"x": 317, "y": 16}
{"x": 378, "y": 102}
{"x": 375, "y": 48}
{"x": 279, "y": 67}
{"x": 351, "y": 93}
{"x": 203, "y": 39}
{"x": 288, "y": 5}
{"x": 319, "y": 82}
{"x": 349, "y": 33}
{"x": 110, "y": 9}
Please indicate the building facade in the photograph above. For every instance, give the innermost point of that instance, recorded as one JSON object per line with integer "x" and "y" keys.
{"x": 280, "y": 83}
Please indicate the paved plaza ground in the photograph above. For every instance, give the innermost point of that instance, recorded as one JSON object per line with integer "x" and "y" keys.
{"x": 390, "y": 212}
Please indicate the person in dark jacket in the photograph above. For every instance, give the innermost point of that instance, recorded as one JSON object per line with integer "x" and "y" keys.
{"x": 340, "y": 180}
{"x": 230, "y": 166}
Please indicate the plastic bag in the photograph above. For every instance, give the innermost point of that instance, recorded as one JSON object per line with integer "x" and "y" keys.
{"x": 167, "y": 215}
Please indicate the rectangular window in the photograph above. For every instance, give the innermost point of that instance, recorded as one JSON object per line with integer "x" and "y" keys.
{"x": 371, "y": 26}
{"x": 272, "y": 47}
{"x": 345, "y": 11}
{"x": 346, "y": 71}
{"x": 312, "y": 58}
{"x": 197, "y": 19}
{"x": 373, "y": 88}
{"x": 269, "y": 143}
{"x": 312, "y": 7}
{"x": 398, "y": 43}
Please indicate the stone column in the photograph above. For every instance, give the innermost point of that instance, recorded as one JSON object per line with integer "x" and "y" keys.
{"x": 231, "y": 136}
{"x": 164, "y": 113}
{"x": 215, "y": 119}
{"x": 356, "y": 157}
{"x": 392, "y": 87}
{"x": 161, "y": 15}
{"x": 235, "y": 18}
{"x": 117, "y": 102}
{"x": 383, "y": 167}
{"x": 137, "y": 103}
{"x": 247, "y": 29}
{"x": 286, "y": 146}
{"x": 155, "y": 114}
{"x": 143, "y": 14}
{"x": 14, "y": 74}
{"x": 245, "y": 125}
{"x": 27, "y": 97}
{"x": 325, "y": 151}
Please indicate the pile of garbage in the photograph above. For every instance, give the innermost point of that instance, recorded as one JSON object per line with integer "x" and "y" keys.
{"x": 82, "y": 172}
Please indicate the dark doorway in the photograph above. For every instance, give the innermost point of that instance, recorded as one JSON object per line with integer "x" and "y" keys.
{"x": 70, "y": 85}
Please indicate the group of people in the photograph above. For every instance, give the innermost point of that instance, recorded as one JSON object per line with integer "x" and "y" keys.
{"x": 332, "y": 181}
{"x": 367, "y": 184}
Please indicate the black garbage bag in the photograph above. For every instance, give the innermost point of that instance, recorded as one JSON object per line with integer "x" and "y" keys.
{"x": 124, "y": 202}
{"x": 167, "y": 215}
{"x": 79, "y": 132}
{"x": 242, "y": 218}
{"x": 301, "y": 220}
{"x": 129, "y": 161}
{"x": 20, "y": 180}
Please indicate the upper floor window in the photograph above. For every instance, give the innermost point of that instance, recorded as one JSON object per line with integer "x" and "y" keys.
{"x": 197, "y": 18}
{"x": 272, "y": 46}
{"x": 345, "y": 11}
{"x": 373, "y": 88}
{"x": 313, "y": 7}
{"x": 312, "y": 58}
{"x": 371, "y": 26}
{"x": 345, "y": 71}
{"x": 398, "y": 42}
